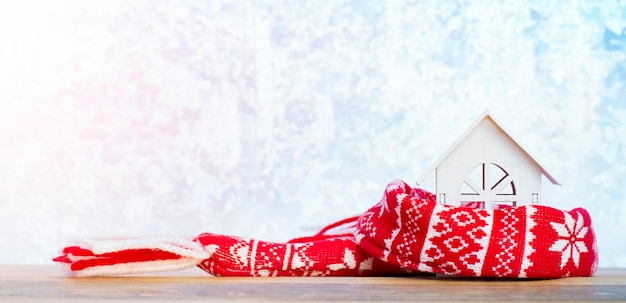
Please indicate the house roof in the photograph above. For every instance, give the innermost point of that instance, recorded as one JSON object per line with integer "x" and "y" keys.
{"x": 485, "y": 115}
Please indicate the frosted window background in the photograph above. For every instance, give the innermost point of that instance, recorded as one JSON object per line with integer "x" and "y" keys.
{"x": 270, "y": 119}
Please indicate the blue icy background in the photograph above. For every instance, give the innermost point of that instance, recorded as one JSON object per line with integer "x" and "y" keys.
{"x": 270, "y": 119}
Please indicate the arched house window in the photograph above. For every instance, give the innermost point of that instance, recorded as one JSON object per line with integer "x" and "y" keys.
{"x": 490, "y": 186}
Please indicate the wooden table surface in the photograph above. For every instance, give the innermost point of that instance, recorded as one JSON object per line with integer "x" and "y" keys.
{"x": 50, "y": 284}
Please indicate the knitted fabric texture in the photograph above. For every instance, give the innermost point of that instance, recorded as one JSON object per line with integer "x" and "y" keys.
{"x": 409, "y": 229}
{"x": 330, "y": 256}
{"x": 407, "y": 232}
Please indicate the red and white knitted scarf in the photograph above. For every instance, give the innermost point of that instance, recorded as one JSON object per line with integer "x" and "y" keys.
{"x": 406, "y": 233}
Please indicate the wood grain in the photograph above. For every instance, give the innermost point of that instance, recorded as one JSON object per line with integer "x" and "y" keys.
{"x": 48, "y": 284}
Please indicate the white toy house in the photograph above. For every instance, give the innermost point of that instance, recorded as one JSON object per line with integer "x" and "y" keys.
{"x": 487, "y": 168}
